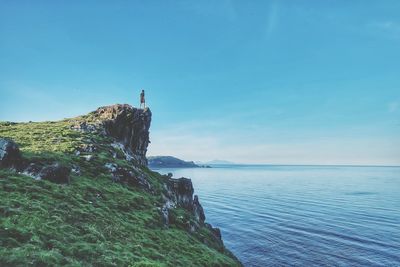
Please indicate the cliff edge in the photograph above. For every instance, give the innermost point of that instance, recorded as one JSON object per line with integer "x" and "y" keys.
{"x": 78, "y": 191}
{"x": 127, "y": 125}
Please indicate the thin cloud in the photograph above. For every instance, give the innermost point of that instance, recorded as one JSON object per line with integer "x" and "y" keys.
{"x": 393, "y": 107}
{"x": 389, "y": 28}
{"x": 272, "y": 19}
{"x": 388, "y": 25}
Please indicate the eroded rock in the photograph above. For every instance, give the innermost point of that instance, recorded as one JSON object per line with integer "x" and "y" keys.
{"x": 56, "y": 173}
{"x": 198, "y": 210}
{"x": 128, "y": 176}
{"x": 83, "y": 126}
{"x": 129, "y": 126}
{"x": 181, "y": 192}
{"x": 10, "y": 156}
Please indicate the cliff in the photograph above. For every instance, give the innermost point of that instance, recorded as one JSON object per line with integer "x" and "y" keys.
{"x": 79, "y": 192}
{"x": 127, "y": 125}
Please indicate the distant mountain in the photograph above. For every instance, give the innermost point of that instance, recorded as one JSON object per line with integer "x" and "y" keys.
{"x": 169, "y": 162}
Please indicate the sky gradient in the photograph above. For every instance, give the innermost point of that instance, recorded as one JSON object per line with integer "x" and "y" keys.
{"x": 276, "y": 82}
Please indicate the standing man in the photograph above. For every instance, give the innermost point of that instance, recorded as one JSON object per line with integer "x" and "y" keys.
{"x": 142, "y": 100}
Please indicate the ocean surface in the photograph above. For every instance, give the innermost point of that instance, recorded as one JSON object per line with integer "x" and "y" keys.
{"x": 303, "y": 215}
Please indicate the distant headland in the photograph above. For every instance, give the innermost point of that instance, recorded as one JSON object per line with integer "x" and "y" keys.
{"x": 172, "y": 162}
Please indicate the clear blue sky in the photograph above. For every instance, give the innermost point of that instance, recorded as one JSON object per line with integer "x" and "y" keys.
{"x": 308, "y": 82}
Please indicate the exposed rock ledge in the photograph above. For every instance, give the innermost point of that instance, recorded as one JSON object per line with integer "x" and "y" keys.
{"x": 128, "y": 125}
{"x": 179, "y": 193}
{"x": 10, "y": 157}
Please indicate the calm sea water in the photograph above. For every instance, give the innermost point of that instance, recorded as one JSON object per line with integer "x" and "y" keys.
{"x": 303, "y": 215}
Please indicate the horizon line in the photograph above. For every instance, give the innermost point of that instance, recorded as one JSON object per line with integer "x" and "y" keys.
{"x": 319, "y": 165}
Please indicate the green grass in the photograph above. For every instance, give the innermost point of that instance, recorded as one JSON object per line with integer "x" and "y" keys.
{"x": 92, "y": 221}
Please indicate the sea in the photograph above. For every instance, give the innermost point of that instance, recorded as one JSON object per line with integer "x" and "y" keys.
{"x": 303, "y": 215}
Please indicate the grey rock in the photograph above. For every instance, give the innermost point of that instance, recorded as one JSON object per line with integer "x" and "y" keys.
{"x": 129, "y": 126}
{"x": 10, "y": 155}
{"x": 198, "y": 210}
{"x": 112, "y": 167}
{"x": 84, "y": 127}
{"x": 56, "y": 173}
{"x": 165, "y": 215}
{"x": 33, "y": 171}
{"x": 88, "y": 157}
{"x": 76, "y": 170}
{"x": 181, "y": 192}
{"x": 87, "y": 148}
{"x": 215, "y": 231}
{"x": 128, "y": 176}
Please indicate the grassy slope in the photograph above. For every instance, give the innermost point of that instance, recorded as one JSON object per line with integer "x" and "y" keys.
{"x": 92, "y": 221}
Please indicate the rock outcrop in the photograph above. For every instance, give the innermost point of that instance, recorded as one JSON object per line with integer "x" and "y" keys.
{"x": 10, "y": 156}
{"x": 129, "y": 176}
{"x": 129, "y": 126}
{"x": 56, "y": 173}
{"x": 179, "y": 193}
{"x": 197, "y": 210}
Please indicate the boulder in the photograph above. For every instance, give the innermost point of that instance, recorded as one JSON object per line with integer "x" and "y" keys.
{"x": 33, "y": 170}
{"x": 55, "y": 173}
{"x": 10, "y": 156}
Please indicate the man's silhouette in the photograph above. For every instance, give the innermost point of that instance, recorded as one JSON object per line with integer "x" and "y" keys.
{"x": 142, "y": 100}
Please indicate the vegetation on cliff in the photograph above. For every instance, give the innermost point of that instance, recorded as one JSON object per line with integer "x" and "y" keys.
{"x": 112, "y": 211}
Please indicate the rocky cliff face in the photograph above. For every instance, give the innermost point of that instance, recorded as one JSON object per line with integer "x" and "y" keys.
{"x": 129, "y": 127}
{"x": 179, "y": 193}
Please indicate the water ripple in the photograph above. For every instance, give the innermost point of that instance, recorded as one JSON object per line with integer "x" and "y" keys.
{"x": 304, "y": 215}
